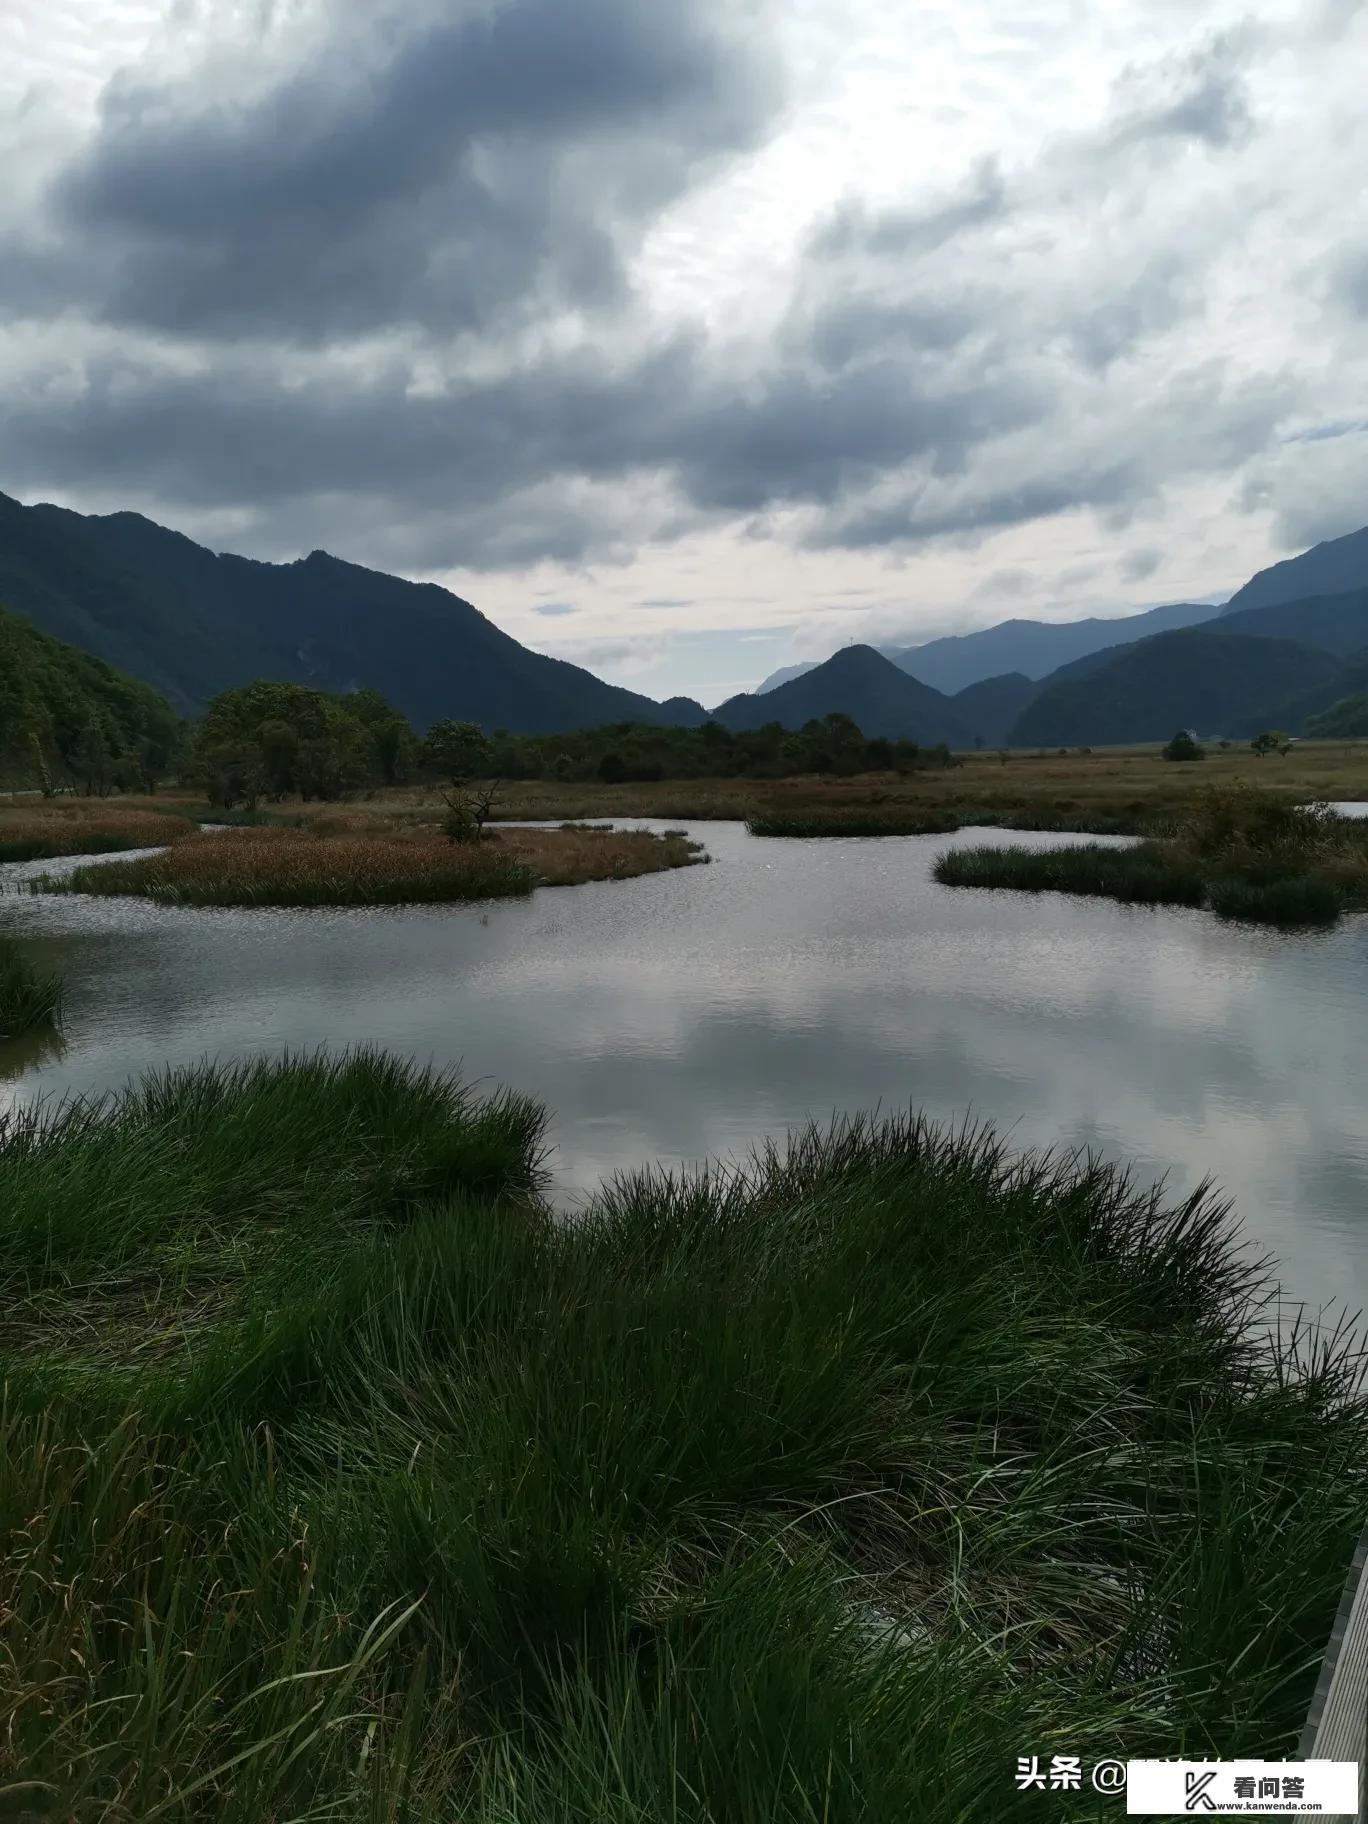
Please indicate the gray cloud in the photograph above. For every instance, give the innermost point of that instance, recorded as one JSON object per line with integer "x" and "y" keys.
{"x": 1136, "y": 565}
{"x": 1197, "y": 95}
{"x": 1351, "y": 280}
{"x": 467, "y": 196}
{"x": 478, "y": 167}
{"x": 982, "y": 200}
{"x": 553, "y": 610}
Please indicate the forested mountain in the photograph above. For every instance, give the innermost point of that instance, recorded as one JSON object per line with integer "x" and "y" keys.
{"x": 1331, "y": 568}
{"x": 860, "y": 683}
{"x": 1337, "y": 622}
{"x": 990, "y": 708}
{"x": 77, "y": 719}
{"x": 1208, "y": 680}
{"x": 1306, "y": 712}
{"x": 1345, "y": 720}
{"x": 194, "y": 623}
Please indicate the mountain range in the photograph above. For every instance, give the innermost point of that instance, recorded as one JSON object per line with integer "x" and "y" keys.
{"x": 191, "y": 622}
{"x": 1037, "y": 648}
{"x": 1030, "y": 648}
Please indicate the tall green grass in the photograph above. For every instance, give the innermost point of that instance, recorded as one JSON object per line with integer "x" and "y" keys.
{"x": 135, "y": 1219}
{"x": 1143, "y": 875}
{"x": 1290, "y": 904}
{"x": 28, "y": 997}
{"x": 1246, "y": 854}
{"x": 817, "y": 1489}
{"x": 875, "y": 820}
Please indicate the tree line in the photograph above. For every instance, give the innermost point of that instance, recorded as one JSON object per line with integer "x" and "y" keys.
{"x": 268, "y": 741}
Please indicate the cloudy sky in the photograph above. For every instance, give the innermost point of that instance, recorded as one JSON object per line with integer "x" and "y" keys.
{"x": 690, "y": 339}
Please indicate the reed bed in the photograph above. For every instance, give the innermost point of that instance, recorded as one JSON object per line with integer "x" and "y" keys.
{"x": 351, "y": 862}
{"x": 578, "y": 853}
{"x": 1246, "y": 855}
{"x": 85, "y": 829}
{"x": 1289, "y": 904}
{"x": 29, "y": 999}
{"x": 1137, "y": 876}
{"x": 821, "y": 1487}
{"x": 877, "y": 820}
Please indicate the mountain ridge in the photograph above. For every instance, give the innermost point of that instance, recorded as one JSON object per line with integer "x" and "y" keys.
{"x": 858, "y": 682}
{"x": 192, "y": 622}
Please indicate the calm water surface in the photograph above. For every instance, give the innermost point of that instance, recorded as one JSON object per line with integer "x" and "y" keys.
{"x": 687, "y": 1014}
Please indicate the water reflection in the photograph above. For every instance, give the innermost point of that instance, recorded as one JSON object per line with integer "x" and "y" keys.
{"x": 30, "y": 1051}
{"x": 685, "y": 1015}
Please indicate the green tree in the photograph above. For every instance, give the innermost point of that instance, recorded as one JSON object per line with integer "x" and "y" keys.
{"x": 1183, "y": 747}
{"x": 456, "y": 752}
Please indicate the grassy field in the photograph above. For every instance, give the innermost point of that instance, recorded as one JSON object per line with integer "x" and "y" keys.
{"x": 1117, "y": 790}
{"x": 1245, "y": 853}
{"x": 1109, "y": 791}
{"x": 351, "y": 859}
{"x": 343, "y": 1482}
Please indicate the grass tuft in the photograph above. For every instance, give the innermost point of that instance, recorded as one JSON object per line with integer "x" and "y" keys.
{"x": 28, "y": 998}
{"x": 1136, "y": 876}
{"x": 1288, "y": 904}
{"x": 819, "y": 1487}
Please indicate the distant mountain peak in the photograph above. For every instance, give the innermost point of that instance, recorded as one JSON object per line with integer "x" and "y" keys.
{"x": 1334, "y": 567}
{"x": 859, "y": 682}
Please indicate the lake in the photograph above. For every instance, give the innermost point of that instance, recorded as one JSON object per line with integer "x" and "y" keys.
{"x": 687, "y": 1014}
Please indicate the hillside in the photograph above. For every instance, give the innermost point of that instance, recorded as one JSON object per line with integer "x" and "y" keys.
{"x": 990, "y": 708}
{"x": 1297, "y": 712}
{"x": 1210, "y": 680}
{"x": 194, "y": 623}
{"x": 862, "y": 684}
{"x": 784, "y": 675}
{"x": 1346, "y": 719}
{"x": 1338, "y": 565}
{"x": 1337, "y": 623}
{"x": 94, "y": 725}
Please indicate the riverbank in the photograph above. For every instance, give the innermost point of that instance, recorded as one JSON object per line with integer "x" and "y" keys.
{"x": 840, "y": 1480}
